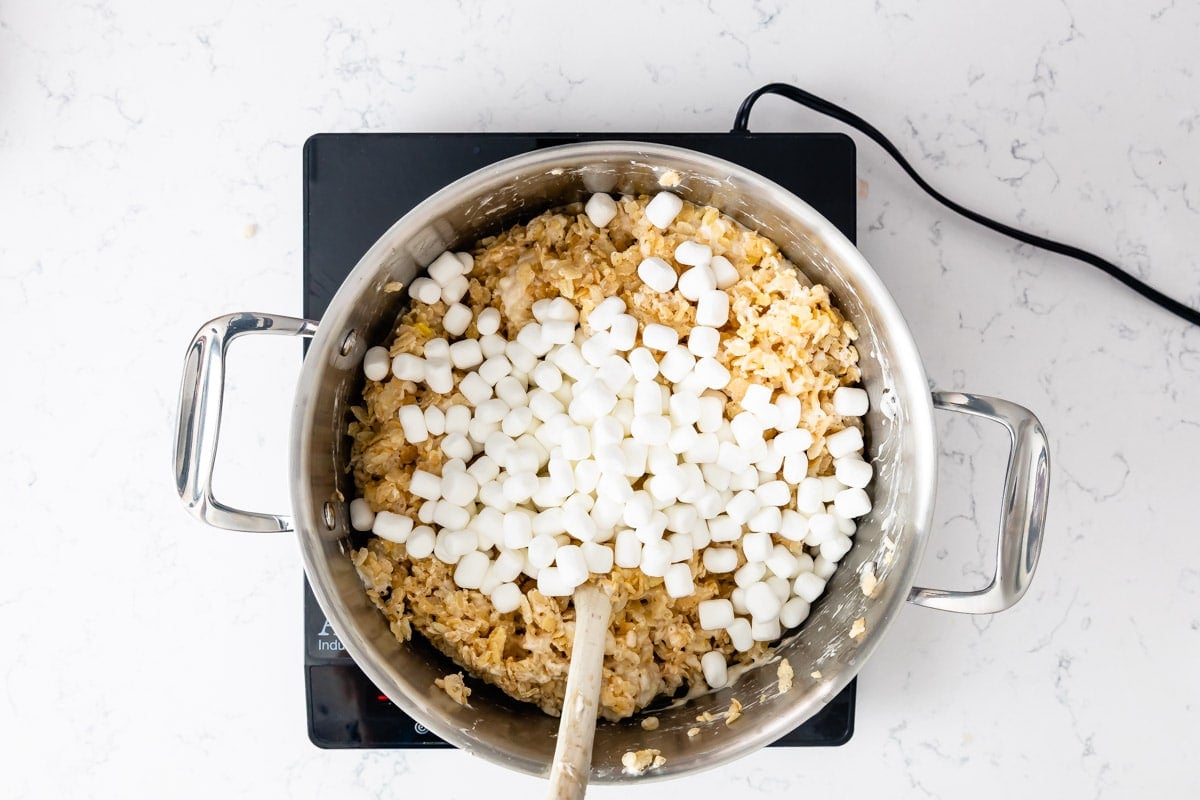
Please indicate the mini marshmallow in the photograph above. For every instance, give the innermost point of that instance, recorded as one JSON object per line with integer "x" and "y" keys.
{"x": 492, "y": 345}
{"x": 712, "y": 308}
{"x": 511, "y": 391}
{"x": 693, "y": 254}
{"x": 643, "y": 363}
{"x": 426, "y": 290}
{"x": 600, "y": 209}
{"x": 767, "y": 520}
{"x": 766, "y": 631}
{"x": 506, "y": 598}
{"x": 793, "y": 526}
{"x": 723, "y": 528}
{"x": 774, "y": 493}
{"x": 854, "y": 472}
{"x": 794, "y": 612}
{"x": 377, "y": 363}
{"x": 455, "y": 289}
{"x": 435, "y": 421}
{"x": 762, "y": 602}
{"x": 656, "y": 559}
{"x": 605, "y": 312}
{"x": 408, "y": 367}
{"x": 651, "y": 429}
{"x": 740, "y": 634}
{"x": 678, "y": 581}
{"x": 457, "y": 319}
{"x": 808, "y": 586}
{"x": 623, "y": 333}
{"x": 551, "y": 583}
{"x": 852, "y": 503}
{"x": 488, "y": 321}
{"x": 361, "y": 515}
{"x": 455, "y": 445}
{"x": 444, "y": 268}
{"x": 720, "y": 559}
{"x": 387, "y": 525}
{"x": 850, "y": 401}
{"x": 659, "y": 337}
{"x": 715, "y": 614}
{"x": 676, "y": 363}
{"x": 756, "y": 547}
{"x": 471, "y": 570}
{"x": 662, "y": 209}
{"x": 836, "y": 547}
{"x": 493, "y": 369}
{"x": 712, "y": 373}
{"x": 598, "y": 557}
{"x": 743, "y": 506}
{"x": 521, "y": 357}
{"x": 657, "y": 274}
{"x": 844, "y": 442}
{"x": 724, "y": 272}
{"x": 749, "y": 574}
{"x": 696, "y": 281}
{"x": 412, "y": 421}
{"x": 420, "y": 542}
{"x": 703, "y": 341}
{"x": 627, "y": 550}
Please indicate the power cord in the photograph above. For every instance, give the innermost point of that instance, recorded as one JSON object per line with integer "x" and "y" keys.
{"x": 741, "y": 124}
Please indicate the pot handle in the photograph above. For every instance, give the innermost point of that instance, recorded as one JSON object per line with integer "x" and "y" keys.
{"x": 1022, "y": 510}
{"x": 199, "y": 421}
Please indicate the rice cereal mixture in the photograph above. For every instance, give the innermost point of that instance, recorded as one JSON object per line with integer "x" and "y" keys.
{"x": 782, "y": 333}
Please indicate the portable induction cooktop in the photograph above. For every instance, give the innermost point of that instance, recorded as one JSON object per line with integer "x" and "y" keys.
{"x": 355, "y": 187}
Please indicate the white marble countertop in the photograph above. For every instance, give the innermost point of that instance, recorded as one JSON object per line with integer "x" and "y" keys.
{"x": 150, "y": 179}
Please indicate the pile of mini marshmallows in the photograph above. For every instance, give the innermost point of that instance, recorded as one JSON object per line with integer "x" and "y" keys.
{"x": 584, "y": 446}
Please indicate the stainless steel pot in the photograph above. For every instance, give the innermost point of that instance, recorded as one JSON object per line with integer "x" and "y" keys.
{"x": 901, "y": 438}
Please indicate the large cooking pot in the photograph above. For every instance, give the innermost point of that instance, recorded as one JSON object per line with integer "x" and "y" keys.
{"x": 823, "y": 652}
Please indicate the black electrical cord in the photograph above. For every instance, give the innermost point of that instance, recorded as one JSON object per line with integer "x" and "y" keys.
{"x": 741, "y": 125}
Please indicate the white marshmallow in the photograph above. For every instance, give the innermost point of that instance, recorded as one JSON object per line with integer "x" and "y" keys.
{"x": 598, "y": 557}
{"x": 656, "y": 558}
{"x": 678, "y": 581}
{"x": 723, "y": 528}
{"x": 455, "y": 289}
{"x": 762, "y": 602}
{"x": 715, "y": 614}
{"x": 743, "y": 506}
{"x": 492, "y": 345}
{"x": 444, "y": 268}
{"x": 387, "y": 525}
{"x": 844, "y": 442}
{"x": 740, "y": 634}
{"x": 600, "y": 209}
{"x": 774, "y": 493}
{"x": 749, "y": 574}
{"x": 693, "y": 253}
{"x": 756, "y": 546}
{"x": 659, "y": 337}
{"x": 377, "y": 363}
{"x": 471, "y": 570}
{"x": 662, "y": 209}
{"x": 657, "y": 274}
{"x": 724, "y": 272}
{"x": 651, "y": 429}
{"x": 852, "y": 503}
{"x": 854, "y": 472}
{"x": 712, "y": 373}
{"x": 623, "y": 333}
{"x": 703, "y": 341}
{"x": 425, "y": 290}
{"x": 676, "y": 363}
{"x": 767, "y": 520}
{"x": 435, "y": 421}
{"x": 506, "y": 598}
{"x": 607, "y": 310}
{"x": 420, "y": 542}
{"x": 836, "y": 546}
{"x": 627, "y": 550}
{"x": 551, "y": 583}
{"x": 808, "y": 586}
{"x": 408, "y": 367}
{"x": 850, "y": 401}
{"x": 720, "y": 559}
{"x": 457, "y": 319}
{"x": 488, "y": 321}
{"x": 766, "y": 631}
{"x": 794, "y": 612}
{"x": 361, "y": 515}
{"x": 412, "y": 421}
{"x": 521, "y": 357}
{"x": 644, "y": 364}
{"x": 712, "y": 308}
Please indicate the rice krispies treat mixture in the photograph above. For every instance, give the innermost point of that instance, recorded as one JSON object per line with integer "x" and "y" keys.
{"x": 782, "y": 332}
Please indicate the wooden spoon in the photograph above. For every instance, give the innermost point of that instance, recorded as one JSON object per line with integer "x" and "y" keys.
{"x": 577, "y": 727}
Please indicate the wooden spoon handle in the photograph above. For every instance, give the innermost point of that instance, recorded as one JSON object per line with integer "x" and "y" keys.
{"x": 577, "y": 726}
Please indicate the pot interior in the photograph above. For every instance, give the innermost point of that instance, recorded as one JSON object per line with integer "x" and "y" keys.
{"x": 822, "y": 654}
